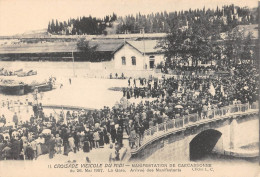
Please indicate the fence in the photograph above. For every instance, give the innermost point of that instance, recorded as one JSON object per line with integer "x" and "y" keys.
{"x": 197, "y": 73}
{"x": 192, "y": 119}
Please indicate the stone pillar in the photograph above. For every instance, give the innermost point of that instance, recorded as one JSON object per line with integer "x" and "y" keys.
{"x": 233, "y": 134}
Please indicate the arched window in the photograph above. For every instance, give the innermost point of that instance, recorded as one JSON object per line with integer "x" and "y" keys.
{"x": 123, "y": 61}
{"x": 133, "y": 60}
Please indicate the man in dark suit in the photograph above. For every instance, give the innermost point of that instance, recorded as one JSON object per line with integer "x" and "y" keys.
{"x": 51, "y": 146}
{"x": 113, "y": 134}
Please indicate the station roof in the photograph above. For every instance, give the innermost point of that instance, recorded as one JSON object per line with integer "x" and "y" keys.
{"x": 59, "y": 47}
{"x": 107, "y": 45}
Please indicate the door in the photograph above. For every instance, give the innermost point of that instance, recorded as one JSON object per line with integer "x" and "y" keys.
{"x": 151, "y": 64}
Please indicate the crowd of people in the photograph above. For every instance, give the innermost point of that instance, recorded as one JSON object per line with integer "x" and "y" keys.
{"x": 240, "y": 84}
{"x": 87, "y": 129}
{"x": 66, "y": 133}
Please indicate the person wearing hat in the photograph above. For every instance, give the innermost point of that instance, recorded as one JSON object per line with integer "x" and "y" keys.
{"x": 86, "y": 144}
{"x": 2, "y": 146}
{"x": 91, "y": 138}
{"x": 15, "y": 148}
{"x": 33, "y": 145}
{"x": 102, "y": 136}
{"x": 76, "y": 137}
{"x": 25, "y": 144}
{"x": 132, "y": 137}
{"x": 51, "y": 146}
{"x": 119, "y": 136}
{"x": 7, "y": 151}
{"x": 106, "y": 135}
{"x": 113, "y": 132}
{"x": 40, "y": 141}
{"x": 58, "y": 143}
{"x": 15, "y": 119}
{"x": 3, "y": 119}
{"x": 65, "y": 140}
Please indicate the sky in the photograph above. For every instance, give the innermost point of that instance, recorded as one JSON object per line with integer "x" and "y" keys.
{"x": 18, "y": 16}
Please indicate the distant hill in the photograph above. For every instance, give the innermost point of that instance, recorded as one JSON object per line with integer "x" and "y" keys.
{"x": 34, "y": 33}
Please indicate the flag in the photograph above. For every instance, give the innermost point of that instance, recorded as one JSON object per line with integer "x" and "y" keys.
{"x": 222, "y": 90}
{"x": 65, "y": 118}
{"x": 212, "y": 89}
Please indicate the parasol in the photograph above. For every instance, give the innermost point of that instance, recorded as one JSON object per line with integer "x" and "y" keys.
{"x": 179, "y": 106}
{"x": 46, "y": 131}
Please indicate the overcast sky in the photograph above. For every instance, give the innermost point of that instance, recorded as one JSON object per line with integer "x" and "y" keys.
{"x": 18, "y": 16}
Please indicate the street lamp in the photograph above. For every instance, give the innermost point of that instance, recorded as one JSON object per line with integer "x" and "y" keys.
{"x": 72, "y": 59}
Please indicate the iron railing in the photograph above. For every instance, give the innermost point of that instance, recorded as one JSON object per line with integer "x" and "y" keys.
{"x": 190, "y": 120}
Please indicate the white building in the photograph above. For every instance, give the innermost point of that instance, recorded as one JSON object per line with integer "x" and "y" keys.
{"x": 138, "y": 55}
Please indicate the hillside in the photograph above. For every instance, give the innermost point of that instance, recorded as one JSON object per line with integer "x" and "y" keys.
{"x": 33, "y": 34}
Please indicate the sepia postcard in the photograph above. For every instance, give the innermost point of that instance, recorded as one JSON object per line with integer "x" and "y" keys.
{"x": 129, "y": 88}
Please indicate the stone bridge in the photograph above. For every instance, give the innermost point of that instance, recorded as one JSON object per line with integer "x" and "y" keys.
{"x": 192, "y": 137}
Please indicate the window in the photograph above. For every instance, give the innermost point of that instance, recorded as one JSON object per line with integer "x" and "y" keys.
{"x": 123, "y": 61}
{"x": 151, "y": 62}
{"x": 133, "y": 61}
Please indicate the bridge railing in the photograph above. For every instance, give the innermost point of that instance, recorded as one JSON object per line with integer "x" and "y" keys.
{"x": 190, "y": 120}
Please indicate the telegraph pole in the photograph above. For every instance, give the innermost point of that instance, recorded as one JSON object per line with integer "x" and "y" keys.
{"x": 144, "y": 48}
{"x": 73, "y": 64}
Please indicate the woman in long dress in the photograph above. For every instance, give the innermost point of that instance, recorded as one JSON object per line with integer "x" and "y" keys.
{"x": 72, "y": 144}
{"x": 40, "y": 141}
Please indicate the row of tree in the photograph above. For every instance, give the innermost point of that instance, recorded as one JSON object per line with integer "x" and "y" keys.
{"x": 197, "y": 43}
{"x": 81, "y": 25}
{"x": 226, "y": 18}
{"x": 222, "y": 19}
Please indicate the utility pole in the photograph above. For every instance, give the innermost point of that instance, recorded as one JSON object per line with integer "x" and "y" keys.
{"x": 144, "y": 49}
{"x": 73, "y": 64}
{"x": 124, "y": 43}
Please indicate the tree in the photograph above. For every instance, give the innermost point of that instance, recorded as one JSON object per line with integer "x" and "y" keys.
{"x": 172, "y": 45}
{"x": 247, "y": 52}
{"x": 233, "y": 46}
{"x": 57, "y": 27}
{"x": 49, "y": 27}
{"x": 87, "y": 50}
{"x": 188, "y": 44}
{"x": 52, "y": 26}
{"x": 160, "y": 22}
{"x": 61, "y": 27}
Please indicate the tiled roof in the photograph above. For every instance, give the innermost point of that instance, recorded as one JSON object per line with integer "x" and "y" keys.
{"x": 146, "y": 46}
{"x": 106, "y": 45}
